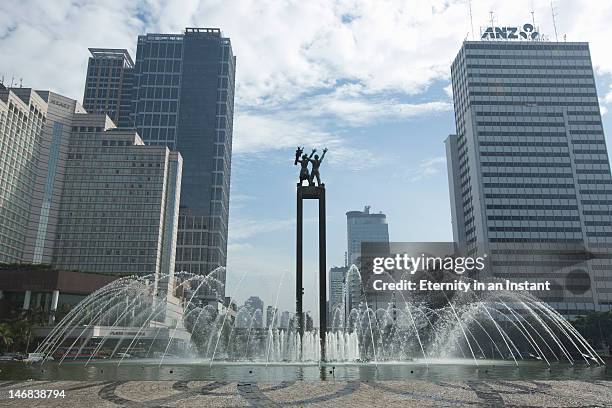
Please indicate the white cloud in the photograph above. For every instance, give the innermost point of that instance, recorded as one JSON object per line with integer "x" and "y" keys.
{"x": 260, "y": 131}
{"x": 356, "y": 108}
{"x": 427, "y": 168}
{"x": 607, "y": 98}
{"x": 243, "y": 229}
{"x": 346, "y": 62}
{"x": 448, "y": 90}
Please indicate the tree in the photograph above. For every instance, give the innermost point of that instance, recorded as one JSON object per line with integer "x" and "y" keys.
{"x": 596, "y": 327}
{"x": 6, "y": 337}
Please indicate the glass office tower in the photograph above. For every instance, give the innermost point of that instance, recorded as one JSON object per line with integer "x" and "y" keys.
{"x": 108, "y": 88}
{"x": 183, "y": 98}
{"x": 363, "y": 226}
{"x": 529, "y": 170}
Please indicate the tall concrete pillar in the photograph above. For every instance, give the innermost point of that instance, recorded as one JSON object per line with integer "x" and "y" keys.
{"x": 312, "y": 193}
{"x": 26, "y": 300}
{"x": 54, "y": 300}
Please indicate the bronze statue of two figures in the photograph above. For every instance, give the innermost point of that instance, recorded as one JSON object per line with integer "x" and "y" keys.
{"x": 316, "y": 161}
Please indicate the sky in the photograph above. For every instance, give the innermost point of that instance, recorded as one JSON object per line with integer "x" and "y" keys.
{"x": 368, "y": 79}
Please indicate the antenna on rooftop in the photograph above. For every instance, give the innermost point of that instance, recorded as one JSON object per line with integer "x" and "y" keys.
{"x": 12, "y": 81}
{"x": 554, "y": 21}
{"x": 21, "y": 82}
{"x": 492, "y": 22}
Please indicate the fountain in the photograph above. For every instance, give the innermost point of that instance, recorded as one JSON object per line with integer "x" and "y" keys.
{"x": 129, "y": 319}
{"x": 181, "y": 318}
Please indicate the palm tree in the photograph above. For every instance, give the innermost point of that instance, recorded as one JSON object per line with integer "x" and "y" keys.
{"x": 6, "y": 336}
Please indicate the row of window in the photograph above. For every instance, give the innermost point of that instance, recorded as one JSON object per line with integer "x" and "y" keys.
{"x": 501, "y": 93}
{"x": 528, "y": 185}
{"x": 526, "y": 46}
{"x": 476, "y": 74}
{"x": 522, "y": 144}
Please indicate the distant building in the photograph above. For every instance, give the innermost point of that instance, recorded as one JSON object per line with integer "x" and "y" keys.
{"x": 308, "y": 322}
{"x": 336, "y": 278}
{"x": 529, "y": 170}
{"x": 285, "y": 318}
{"x": 86, "y": 196}
{"x": 362, "y": 226}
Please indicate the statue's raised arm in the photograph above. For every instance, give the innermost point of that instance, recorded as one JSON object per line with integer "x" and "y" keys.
{"x": 314, "y": 173}
{"x": 298, "y": 153}
{"x": 323, "y": 155}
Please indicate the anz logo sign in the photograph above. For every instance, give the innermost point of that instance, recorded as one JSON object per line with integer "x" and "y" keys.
{"x": 527, "y": 32}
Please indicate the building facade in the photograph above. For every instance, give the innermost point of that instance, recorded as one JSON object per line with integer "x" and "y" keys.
{"x": 109, "y": 84}
{"x": 361, "y": 226}
{"x": 182, "y": 97}
{"x": 89, "y": 196}
{"x": 22, "y": 120}
{"x": 45, "y": 289}
{"x": 336, "y": 284}
{"x": 528, "y": 168}
{"x": 285, "y": 318}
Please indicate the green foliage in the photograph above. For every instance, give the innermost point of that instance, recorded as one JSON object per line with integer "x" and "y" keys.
{"x": 6, "y": 337}
{"x": 16, "y": 333}
{"x": 596, "y": 327}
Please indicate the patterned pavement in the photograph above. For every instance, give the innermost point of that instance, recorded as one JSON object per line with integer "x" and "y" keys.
{"x": 407, "y": 393}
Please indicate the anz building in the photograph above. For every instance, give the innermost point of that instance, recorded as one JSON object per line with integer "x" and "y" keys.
{"x": 528, "y": 168}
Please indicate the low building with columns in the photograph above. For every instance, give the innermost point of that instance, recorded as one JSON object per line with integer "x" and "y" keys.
{"x": 45, "y": 290}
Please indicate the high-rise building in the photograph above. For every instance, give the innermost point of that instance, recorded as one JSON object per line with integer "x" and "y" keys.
{"x": 529, "y": 170}
{"x": 23, "y": 126}
{"x": 109, "y": 83}
{"x": 336, "y": 283}
{"x": 361, "y": 226}
{"x": 182, "y": 96}
{"x": 285, "y": 318}
{"x": 88, "y": 196}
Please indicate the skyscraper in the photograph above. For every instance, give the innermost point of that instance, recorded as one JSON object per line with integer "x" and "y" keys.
{"x": 89, "y": 196}
{"x": 285, "y": 318}
{"x": 108, "y": 86}
{"x": 336, "y": 283}
{"x": 182, "y": 96}
{"x": 362, "y": 226}
{"x": 528, "y": 167}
